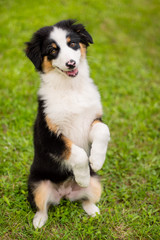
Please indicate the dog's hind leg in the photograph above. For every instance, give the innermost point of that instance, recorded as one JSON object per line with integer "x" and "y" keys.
{"x": 93, "y": 196}
{"x": 44, "y": 194}
{"x": 90, "y": 208}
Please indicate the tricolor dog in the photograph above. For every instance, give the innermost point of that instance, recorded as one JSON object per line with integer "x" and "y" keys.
{"x": 70, "y": 139}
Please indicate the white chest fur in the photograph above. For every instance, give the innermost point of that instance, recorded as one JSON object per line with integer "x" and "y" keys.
{"x": 71, "y": 104}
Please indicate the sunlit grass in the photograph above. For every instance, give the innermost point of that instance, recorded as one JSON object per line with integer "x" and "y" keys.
{"x": 124, "y": 63}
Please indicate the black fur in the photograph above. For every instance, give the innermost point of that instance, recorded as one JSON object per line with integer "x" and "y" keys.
{"x": 74, "y": 39}
{"x": 48, "y": 151}
{"x": 47, "y": 156}
{"x": 70, "y": 25}
{"x": 49, "y": 148}
{"x": 48, "y": 50}
{"x": 36, "y": 48}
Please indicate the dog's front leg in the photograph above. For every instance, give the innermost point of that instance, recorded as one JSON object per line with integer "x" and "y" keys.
{"x": 77, "y": 160}
{"x": 74, "y": 157}
{"x": 99, "y": 137}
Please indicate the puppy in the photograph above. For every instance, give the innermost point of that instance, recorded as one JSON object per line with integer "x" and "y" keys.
{"x": 70, "y": 139}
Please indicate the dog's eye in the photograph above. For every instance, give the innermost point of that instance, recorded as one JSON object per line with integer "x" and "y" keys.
{"x": 72, "y": 44}
{"x": 54, "y": 51}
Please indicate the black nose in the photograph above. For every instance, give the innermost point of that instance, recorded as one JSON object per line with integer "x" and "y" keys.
{"x": 71, "y": 64}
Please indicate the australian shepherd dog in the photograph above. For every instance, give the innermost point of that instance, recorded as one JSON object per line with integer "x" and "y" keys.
{"x": 70, "y": 139}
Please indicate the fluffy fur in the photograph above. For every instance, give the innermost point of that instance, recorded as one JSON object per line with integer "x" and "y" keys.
{"x": 70, "y": 139}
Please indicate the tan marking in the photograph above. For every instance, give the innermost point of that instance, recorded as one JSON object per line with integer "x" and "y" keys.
{"x": 96, "y": 189}
{"x": 68, "y": 143}
{"x": 99, "y": 115}
{"x": 96, "y": 121}
{"x": 54, "y": 45}
{"x": 52, "y": 127}
{"x": 41, "y": 195}
{"x": 83, "y": 49}
{"x": 46, "y": 65}
{"x": 68, "y": 39}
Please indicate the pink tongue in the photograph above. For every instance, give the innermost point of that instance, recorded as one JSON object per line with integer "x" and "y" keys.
{"x": 73, "y": 72}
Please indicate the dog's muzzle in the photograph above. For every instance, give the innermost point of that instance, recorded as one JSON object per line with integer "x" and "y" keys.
{"x": 71, "y": 64}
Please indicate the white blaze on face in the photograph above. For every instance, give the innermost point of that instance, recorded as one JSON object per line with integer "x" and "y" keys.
{"x": 66, "y": 53}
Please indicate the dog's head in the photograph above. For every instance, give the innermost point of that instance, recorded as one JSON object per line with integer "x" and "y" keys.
{"x": 59, "y": 47}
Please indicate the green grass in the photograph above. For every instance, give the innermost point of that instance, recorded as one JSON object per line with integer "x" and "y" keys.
{"x": 125, "y": 65}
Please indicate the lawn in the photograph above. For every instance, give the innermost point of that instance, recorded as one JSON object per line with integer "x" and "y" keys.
{"x": 125, "y": 65}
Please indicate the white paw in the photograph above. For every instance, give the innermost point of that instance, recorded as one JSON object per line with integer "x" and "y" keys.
{"x": 91, "y": 209}
{"x": 39, "y": 219}
{"x": 80, "y": 166}
{"x": 99, "y": 136}
{"x": 97, "y": 161}
{"x": 81, "y": 171}
{"x": 98, "y": 154}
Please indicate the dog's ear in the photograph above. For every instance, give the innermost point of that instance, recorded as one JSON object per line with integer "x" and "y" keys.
{"x": 34, "y": 47}
{"x": 33, "y": 52}
{"x": 85, "y": 37}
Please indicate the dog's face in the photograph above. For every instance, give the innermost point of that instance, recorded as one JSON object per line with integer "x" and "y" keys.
{"x": 59, "y": 47}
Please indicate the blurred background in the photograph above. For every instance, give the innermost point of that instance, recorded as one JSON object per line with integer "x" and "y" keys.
{"x": 125, "y": 65}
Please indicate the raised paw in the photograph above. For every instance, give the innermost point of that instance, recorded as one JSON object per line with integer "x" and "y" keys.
{"x": 97, "y": 161}
{"x": 82, "y": 173}
{"x": 99, "y": 137}
{"x": 80, "y": 166}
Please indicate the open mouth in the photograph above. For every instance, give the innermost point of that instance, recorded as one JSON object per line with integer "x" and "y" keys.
{"x": 71, "y": 73}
